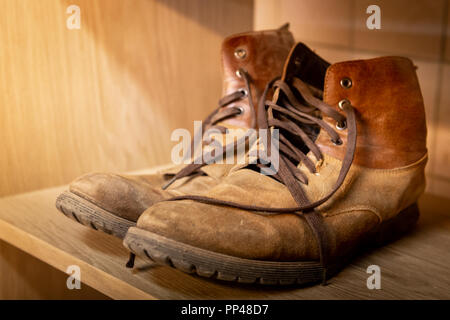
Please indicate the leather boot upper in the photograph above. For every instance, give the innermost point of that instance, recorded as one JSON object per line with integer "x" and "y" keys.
{"x": 262, "y": 54}
{"x": 391, "y": 118}
{"x": 389, "y": 111}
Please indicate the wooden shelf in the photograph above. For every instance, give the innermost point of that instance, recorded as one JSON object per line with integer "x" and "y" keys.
{"x": 414, "y": 267}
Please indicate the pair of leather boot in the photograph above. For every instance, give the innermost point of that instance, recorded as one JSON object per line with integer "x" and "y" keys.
{"x": 352, "y": 153}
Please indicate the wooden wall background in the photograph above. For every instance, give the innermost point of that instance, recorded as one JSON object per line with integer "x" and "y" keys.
{"x": 107, "y": 96}
{"x": 102, "y": 98}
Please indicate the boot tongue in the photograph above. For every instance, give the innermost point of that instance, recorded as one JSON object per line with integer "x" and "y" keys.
{"x": 303, "y": 63}
{"x": 262, "y": 55}
{"x": 306, "y": 65}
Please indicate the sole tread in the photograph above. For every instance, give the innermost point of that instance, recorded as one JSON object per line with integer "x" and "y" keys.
{"x": 186, "y": 260}
{"x": 75, "y": 217}
{"x": 90, "y": 215}
{"x": 210, "y": 264}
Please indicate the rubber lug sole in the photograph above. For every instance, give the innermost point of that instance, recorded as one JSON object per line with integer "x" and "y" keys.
{"x": 211, "y": 264}
{"x": 92, "y": 216}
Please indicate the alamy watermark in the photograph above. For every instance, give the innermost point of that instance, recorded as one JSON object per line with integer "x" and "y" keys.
{"x": 374, "y": 20}
{"x": 74, "y": 279}
{"x": 73, "y": 22}
{"x": 374, "y": 281}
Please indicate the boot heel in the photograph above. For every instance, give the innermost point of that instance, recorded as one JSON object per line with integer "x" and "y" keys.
{"x": 401, "y": 224}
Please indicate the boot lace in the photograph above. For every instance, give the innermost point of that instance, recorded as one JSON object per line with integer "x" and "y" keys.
{"x": 211, "y": 123}
{"x": 292, "y": 113}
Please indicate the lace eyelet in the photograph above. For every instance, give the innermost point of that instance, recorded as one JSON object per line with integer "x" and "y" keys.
{"x": 341, "y": 126}
{"x": 241, "y": 109}
{"x": 244, "y": 92}
{"x": 346, "y": 83}
{"x": 342, "y": 103}
{"x": 240, "y": 53}
{"x": 338, "y": 142}
{"x": 238, "y": 73}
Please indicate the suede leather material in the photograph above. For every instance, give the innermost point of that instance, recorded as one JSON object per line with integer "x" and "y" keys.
{"x": 385, "y": 192}
{"x": 125, "y": 196}
{"x": 358, "y": 207}
{"x": 390, "y": 112}
{"x": 373, "y": 192}
{"x": 128, "y": 196}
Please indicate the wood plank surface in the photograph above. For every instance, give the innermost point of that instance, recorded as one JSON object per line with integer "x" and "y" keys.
{"x": 414, "y": 267}
{"x": 23, "y": 276}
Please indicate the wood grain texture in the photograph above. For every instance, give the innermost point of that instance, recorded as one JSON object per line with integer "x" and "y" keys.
{"x": 442, "y": 164}
{"x": 105, "y": 97}
{"x": 447, "y": 40}
{"x": 408, "y": 28}
{"x": 325, "y": 21}
{"x": 414, "y": 267}
{"x": 26, "y": 277}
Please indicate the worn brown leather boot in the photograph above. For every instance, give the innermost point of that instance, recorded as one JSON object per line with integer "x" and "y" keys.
{"x": 113, "y": 202}
{"x": 355, "y": 185}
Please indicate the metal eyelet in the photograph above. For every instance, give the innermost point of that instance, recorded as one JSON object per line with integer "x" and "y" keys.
{"x": 346, "y": 83}
{"x": 338, "y": 142}
{"x": 244, "y": 92}
{"x": 241, "y": 109}
{"x": 238, "y": 74}
{"x": 341, "y": 126}
{"x": 342, "y": 103}
{"x": 240, "y": 53}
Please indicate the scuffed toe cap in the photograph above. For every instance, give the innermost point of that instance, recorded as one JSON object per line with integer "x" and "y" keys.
{"x": 124, "y": 196}
{"x": 249, "y": 235}
{"x": 231, "y": 231}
